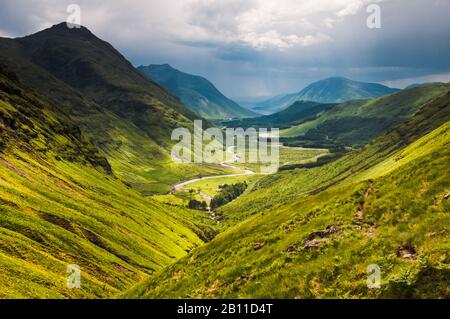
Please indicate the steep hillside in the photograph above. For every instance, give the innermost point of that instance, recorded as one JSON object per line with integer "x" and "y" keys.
{"x": 128, "y": 117}
{"x": 314, "y": 232}
{"x": 60, "y": 204}
{"x": 295, "y": 114}
{"x": 196, "y": 92}
{"x": 357, "y": 122}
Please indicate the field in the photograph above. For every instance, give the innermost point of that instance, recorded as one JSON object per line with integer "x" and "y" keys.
{"x": 287, "y": 155}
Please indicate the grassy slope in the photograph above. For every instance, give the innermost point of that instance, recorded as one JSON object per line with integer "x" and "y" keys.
{"x": 380, "y": 199}
{"x": 59, "y": 205}
{"x": 358, "y": 122}
{"x": 128, "y": 117}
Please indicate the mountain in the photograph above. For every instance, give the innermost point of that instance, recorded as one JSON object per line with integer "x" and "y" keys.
{"x": 196, "y": 92}
{"x": 330, "y": 90}
{"x": 415, "y": 85}
{"x": 357, "y": 122}
{"x": 338, "y": 89}
{"x": 61, "y": 204}
{"x": 317, "y": 233}
{"x": 295, "y": 114}
{"x": 127, "y": 116}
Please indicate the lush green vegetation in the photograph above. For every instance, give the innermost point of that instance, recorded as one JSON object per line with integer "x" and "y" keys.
{"x": 198, "y": 205}
{"x": 227, "y": 194}
{"x": 128, "y": 117}
{"x": 60, "y": 204}
{"x": 295, "y": 114}
{"x": 358, "y": 122}
{"x": 211, "y": 187}
{"x": 312, "y": 233}
{"x": 78, "y": 154}
{"x": 287, "y": 156}
{"x": 322, "y": 160}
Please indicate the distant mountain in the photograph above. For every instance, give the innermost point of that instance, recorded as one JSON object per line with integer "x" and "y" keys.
{"x": 331, "y": 90}
{"x": 297, "y": 113}
{"x": 337, "y": 89}
{"x": 275, "y": 104}
{"x": 357, "y": 122}
{"x": 196, "y": 92}
{"x": 249, "y": 102}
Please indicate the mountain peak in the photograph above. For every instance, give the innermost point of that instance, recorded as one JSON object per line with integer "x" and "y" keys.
{"x": 340, "y": 78}
{"x": 337, "y": 79}
{"x": 164, "y": 66}
{"x": 62, "y": 29}
{"x": 64, "y": 26}
{"x": 340, "y": 89}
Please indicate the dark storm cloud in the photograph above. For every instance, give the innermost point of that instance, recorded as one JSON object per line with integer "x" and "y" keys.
{"x": 237, "y": 53}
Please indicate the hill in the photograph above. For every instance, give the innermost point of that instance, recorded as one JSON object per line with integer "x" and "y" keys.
{"x": 128, "y": 117}
{"x": 60, "y": 204}
{"x": 338, "y": 89}
{"x": 330, "y": 90}
{"x": 275, "y": 104}
{"x": 196, "y": 92}
{"x": 357, "y": 122}
{"x": 295, "y": 114}
{"x": 312, "y": 233}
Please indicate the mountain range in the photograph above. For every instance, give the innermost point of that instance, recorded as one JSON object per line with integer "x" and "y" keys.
{"x": 196, "y": 92}
{"x": 330, "y": 90}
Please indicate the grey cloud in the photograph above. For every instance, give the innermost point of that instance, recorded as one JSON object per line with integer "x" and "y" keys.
{"x": 204, "y": 37}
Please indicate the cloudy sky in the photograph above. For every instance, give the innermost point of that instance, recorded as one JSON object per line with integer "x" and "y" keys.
{"x": 262, "y": 47}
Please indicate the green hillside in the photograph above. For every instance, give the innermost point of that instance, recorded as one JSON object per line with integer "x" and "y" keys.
{"x": 357, "y": 122}
{"x": 127, "y": 116}
{"x": 311, "y": 233}
{"x": 86, "y": 178}
{"x": 295, "y": 114}
{"x": 60, "y": 204}
{"x": 196, "y": 92}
